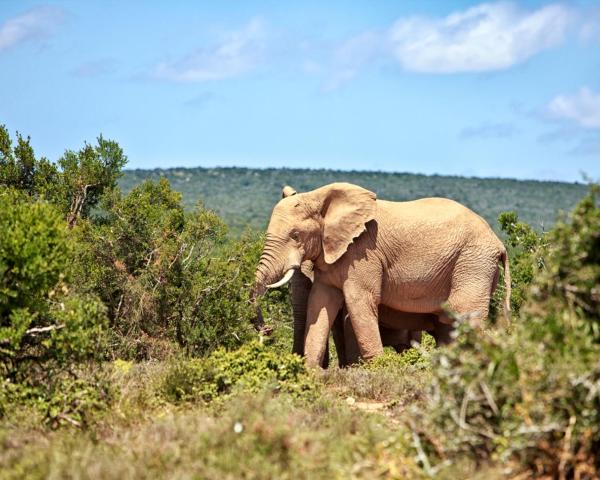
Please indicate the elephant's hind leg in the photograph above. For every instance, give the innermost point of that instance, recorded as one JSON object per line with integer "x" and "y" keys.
{"x": 473, "y": 306}
{"x": 442, "y": 331}
{"x": 471, "y": 290}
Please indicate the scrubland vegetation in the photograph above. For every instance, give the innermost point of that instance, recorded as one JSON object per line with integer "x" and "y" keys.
{"x": 127, "y": 348}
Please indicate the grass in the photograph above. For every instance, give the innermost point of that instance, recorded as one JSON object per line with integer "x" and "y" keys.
{"x": 353, "y": 427}
{"x": 245, "y": 435}
{"x": 359, "y": 424}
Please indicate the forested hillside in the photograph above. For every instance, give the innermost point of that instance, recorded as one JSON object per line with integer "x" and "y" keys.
{"x": 244, "y": 197}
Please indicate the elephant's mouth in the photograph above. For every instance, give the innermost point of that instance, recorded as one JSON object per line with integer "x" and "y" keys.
{"x": 285, "y": 279}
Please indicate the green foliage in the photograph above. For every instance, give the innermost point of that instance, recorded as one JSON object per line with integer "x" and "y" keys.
{"x": 19, "y": 168}
{"x": 76, "y": 401}
{"x": 222, "y": 314}
{"x": 417, "y": 356}
{"x": 40, "y": 317}
{"x": 58, "y": 397}
{"x": 87, "y": 174}
{"x": 523, "y": 245}
{"x": 34, "y": 252}
{"x": 572, "y": 270}
{"x": 74, "y": 184}
{"x": 166, "y": 274}
{"x": 249, "y": 368}
{"x": 533, "y": 395}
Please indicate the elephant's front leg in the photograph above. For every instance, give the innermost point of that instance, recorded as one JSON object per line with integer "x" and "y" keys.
{"x": 362, "y": 308}
{"x": 324, "y": 303}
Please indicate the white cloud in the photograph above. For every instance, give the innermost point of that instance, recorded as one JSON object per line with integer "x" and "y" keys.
{"x": 36, "y": 23}
{"x": 95, "y": 68}
{"x": 589, "y": 31}
{"x": 351, "y": 56}
{"x": 489, "y": 36}
{"x": 486, "y": 37}
{"x": 489, "y": 130}
{"x": 237, "y": 53}
{"x": 583, "y": 108}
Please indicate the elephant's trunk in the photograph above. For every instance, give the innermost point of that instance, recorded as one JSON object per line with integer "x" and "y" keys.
{"x": 272, "y": 270}
{"x": 301, "y": 286}
{"x": 269, "y": 273}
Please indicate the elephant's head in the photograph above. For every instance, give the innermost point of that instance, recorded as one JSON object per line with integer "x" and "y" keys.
{"x": 317, "y": 226}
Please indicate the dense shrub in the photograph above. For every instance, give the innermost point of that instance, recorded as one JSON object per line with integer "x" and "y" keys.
{"x": 167, "y": 277}
{"x": 41, "y": 317}
{"x": 533, "y": 395}
{"x": 139, "y": 259}
{"x": 249, "y": 368}
{"x": 523, "y": 244}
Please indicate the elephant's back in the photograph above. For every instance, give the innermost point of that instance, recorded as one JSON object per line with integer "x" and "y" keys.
{"x": 428, "y": 212}
{"x": 428, "y": 218}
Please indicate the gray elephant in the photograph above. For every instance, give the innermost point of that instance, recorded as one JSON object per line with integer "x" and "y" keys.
{"x": 416, "y": 256}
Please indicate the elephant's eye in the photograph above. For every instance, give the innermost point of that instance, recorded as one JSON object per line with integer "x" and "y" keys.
{"x": 294, "y": 235}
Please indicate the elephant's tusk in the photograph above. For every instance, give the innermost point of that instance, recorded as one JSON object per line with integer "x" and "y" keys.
{"x": 286, "y": 278}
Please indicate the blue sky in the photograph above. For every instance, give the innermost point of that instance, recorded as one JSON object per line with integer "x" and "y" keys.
{"x": 508, "y": 89}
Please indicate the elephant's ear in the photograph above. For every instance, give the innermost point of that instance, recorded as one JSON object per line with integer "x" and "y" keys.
{"x": 287, "y": 191}
{"x": 346, "y": 210}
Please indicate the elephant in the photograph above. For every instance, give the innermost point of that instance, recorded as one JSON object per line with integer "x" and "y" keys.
{"x": 427, "y": 256}
{"x": 343, "y": 334}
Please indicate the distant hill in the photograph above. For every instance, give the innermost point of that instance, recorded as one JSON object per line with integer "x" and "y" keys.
{"x": 244, "y": 197}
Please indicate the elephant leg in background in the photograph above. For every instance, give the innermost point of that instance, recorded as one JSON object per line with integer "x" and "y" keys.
{"x": 346, "y": 344}
{"x": 324, "y": 304}
{"x": 339, "y": 340}
{"x": 400, "y": 340}
{"x": 350, "y": 343}
{"x": 442, "y": 333}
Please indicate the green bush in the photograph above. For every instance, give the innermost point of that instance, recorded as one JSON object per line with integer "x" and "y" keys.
{"x": 168, "y": 277}
{"x": 221, "y": 314}
{"x": 523, "y": 244}
{"x": 41, "y": 318}
{"x": 56, "y": 397}
{"x": 250, "y": 368}
{"x": 34, "y": 252}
